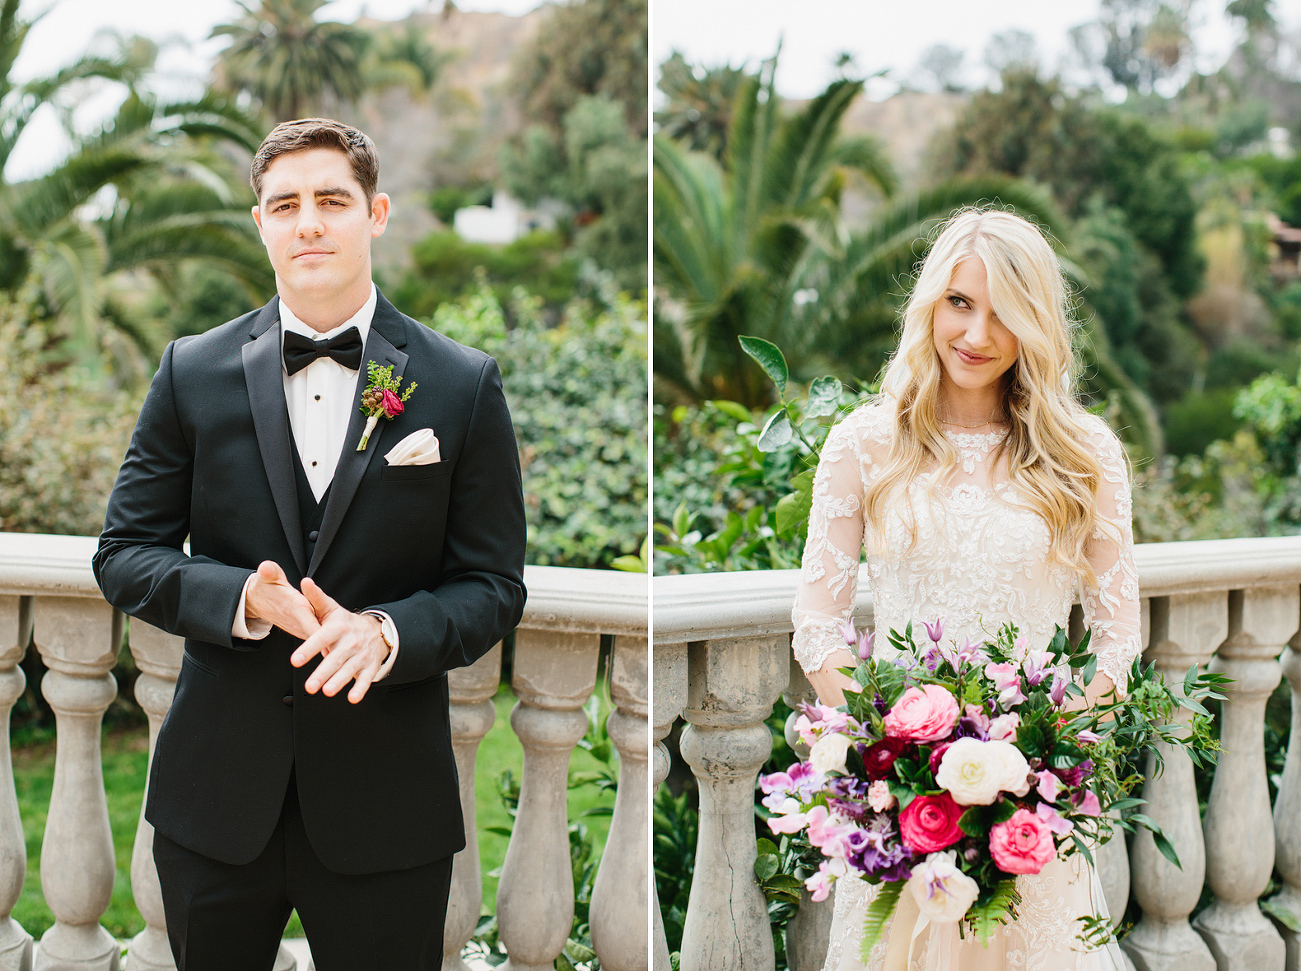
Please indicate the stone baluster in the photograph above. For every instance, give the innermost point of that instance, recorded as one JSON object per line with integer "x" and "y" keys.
{"x": 158, "y": 656}
{"x": 78, "y": 638}
{"x": 15, "y": 943}
{"x": 670, "y": 673}
{"x": 1239, "y": 830}
{"x": 553, "y": 674}
{"x": 1287, "y": 811}
{"x": 619, "y": 895}
{"x": 731, "y": 686}
{"x": 1185, "y": 630}
{"x": 808, "y": 933}
{"x": 470, "y": 693}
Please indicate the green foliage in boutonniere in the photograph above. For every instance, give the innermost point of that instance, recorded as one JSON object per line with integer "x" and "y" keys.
{"x": 380, "y": 399}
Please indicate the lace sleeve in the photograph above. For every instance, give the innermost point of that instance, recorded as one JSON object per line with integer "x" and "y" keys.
{"x": 1111, "y": 605}
{"x": 829, "y": 574}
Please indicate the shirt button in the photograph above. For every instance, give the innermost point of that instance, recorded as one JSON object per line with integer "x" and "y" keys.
{"x": 313, "y": 465}
{"x": 311, "y": 537}
{"x": 288, "y": 699}
{"x": 318, "y": 397}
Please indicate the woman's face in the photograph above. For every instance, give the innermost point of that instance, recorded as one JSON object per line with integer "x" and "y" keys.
{"x": 975, "y": 348}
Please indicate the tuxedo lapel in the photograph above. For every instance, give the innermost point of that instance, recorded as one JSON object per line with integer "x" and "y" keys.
{"x": 266, "y": 398}
{"x": 387, "y": 334}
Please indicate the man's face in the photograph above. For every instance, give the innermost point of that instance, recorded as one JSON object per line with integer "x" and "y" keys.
{"x": 316, "y": 224}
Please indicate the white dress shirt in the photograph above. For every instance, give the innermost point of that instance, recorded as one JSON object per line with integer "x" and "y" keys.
{"x": 320, "y": 400}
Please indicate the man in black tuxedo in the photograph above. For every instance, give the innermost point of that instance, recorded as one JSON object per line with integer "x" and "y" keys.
{"x": 313, "y": 565}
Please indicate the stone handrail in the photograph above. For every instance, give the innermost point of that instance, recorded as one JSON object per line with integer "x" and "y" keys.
{"x": 48, "y": 597}
{"x": 722, "y": 658}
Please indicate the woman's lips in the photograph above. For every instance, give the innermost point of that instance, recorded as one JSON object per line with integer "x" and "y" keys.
{"x": 967, "y": 357}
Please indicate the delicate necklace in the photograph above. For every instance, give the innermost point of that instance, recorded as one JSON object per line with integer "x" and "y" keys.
{"x": 982, "y": 424}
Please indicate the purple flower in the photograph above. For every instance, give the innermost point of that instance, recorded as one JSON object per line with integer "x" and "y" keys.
{"x": 1057, "y": 693}
{"x": 972, "y": 652}
{"x": 850, "y": 635}
{"x": 1036, "y": 667}
{"x": 1088, "y": 737}
{"x": 935, "y": 630}
{"x": 865, "y": 642}
{"x": 1054, "y": 819}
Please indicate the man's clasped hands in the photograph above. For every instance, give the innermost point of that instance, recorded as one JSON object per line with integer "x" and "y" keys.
{"x": 350, "y": 644}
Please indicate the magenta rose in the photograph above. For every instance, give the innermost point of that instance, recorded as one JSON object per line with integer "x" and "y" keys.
{"x": 1023, "y": 844}
{"x": 925, "y": 714}
{"x": 930, "y": 823}
{"x": 392, "y": 404}
{"x": 937, "y": 756}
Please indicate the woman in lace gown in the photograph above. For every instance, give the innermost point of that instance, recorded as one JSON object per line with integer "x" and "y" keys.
{"x": 983, "y": 494}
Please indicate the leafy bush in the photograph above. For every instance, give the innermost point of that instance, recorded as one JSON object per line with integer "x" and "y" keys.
{"x": 577, "y": 395}
{"x": 447, "y": 268}
{"x": 62, "y": 433}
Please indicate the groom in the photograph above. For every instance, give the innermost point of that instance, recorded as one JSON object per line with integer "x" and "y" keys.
{"x": 306, "y": 761}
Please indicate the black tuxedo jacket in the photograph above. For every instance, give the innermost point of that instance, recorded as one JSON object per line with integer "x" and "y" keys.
{"x": 439, "y": 547}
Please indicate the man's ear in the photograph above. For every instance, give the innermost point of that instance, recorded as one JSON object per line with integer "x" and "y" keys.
{"x": 380, "y": 206}
{"x": 257, "y": 218}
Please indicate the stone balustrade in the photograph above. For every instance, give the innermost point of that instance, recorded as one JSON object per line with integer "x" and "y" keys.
{"x": 48, "y": 597}
{"x": 722, "y": 658}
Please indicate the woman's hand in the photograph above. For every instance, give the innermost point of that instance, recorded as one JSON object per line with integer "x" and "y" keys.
{"x": 827, "y": 680}
{"x": 1095, "y": 691}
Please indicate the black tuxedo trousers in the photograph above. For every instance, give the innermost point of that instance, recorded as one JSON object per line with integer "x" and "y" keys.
{"x": 439, "y": 547}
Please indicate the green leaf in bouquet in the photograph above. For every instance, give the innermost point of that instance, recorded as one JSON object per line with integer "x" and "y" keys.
{"x": 878, "y": 912}
{"x": 984, "y": 916}
{"x": 1065, "y": 755}
{"x": 766, "y": 867}
{"x": 776, "y": 432}
{"x": 1083, "y": 645}
{"x": 1159, "y": 837}
{"x": 1090, "y": 668}
{"x": 972, "y": 822}
{"x": 854, "y": 762}
{"x": 824, "y": 397}
{"x": 1081, "y": 846}
{"x": 1190, "y": 679}
{"x": 1002, "y": 811}
{"x": 1033, "y": 738}
{"x": 733, "y": 409}
{"x": 902, "y": 793}
{"x": 1058, "y": 644}
{"x": 770, "y": 358}
{"x": 766, "y": 847}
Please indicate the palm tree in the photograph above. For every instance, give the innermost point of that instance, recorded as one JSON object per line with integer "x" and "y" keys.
{"x": 148, "y": 192}
{"x": 283, "y": 56}
{"x": 756, "y": 245}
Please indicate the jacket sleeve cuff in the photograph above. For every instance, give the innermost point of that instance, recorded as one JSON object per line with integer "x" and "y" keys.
{"x": 249, "y": 628}
{"x": 391, "y": 638}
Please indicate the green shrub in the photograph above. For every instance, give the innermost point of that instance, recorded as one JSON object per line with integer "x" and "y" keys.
{"x": 577, "y": 395}
{"x": 62, "y": 433}
{"x": 447, "y": 268}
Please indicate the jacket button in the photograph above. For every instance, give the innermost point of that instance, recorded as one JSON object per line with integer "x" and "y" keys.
{"x": 311, "y": 537}
{"x": 288, "y": 699}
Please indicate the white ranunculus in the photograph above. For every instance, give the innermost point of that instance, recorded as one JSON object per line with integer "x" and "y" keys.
{"x": 1016, "y": 778}
{"x": 828, "y": 753}
{"x": 973, "y": 771}
{"x": 942, "y": 891}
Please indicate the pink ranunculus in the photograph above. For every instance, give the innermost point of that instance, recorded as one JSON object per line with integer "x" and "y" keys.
{"x": 925, "y": 714}
{"x": 1023, "y": 844}
{"x": 1004, "y": 727}
{"x": 392, "y": 404}
{"x": 930, "y": 823}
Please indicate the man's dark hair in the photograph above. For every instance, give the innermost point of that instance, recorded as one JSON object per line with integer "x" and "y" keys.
{"x": 308, "y": 133}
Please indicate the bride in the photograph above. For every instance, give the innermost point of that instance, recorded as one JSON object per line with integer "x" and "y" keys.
{"x": 984, "y": 494}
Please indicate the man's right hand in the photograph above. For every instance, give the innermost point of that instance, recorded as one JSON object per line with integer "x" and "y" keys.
{"x": 272, "y": 598}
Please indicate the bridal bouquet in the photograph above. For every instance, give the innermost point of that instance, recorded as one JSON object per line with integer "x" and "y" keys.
{"x": 953, "y": 769}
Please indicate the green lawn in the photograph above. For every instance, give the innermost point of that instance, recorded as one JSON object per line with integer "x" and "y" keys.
{"x": 125, "y": 762}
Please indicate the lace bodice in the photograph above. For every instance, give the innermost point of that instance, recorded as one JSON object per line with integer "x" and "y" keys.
{"x": 980, "y": 558}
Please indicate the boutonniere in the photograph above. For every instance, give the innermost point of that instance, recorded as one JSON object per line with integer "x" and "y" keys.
{"x": 380, "y": 399}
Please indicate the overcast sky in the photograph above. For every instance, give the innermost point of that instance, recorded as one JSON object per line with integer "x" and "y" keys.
{"x": 69, "y": 28}
{"x": 892, "y": 33}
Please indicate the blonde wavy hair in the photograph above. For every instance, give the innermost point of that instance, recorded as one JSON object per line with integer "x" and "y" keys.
{"x": 1047, "y": 461}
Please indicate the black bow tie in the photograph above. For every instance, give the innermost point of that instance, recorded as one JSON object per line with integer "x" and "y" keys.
{"x": 344, "y": 348}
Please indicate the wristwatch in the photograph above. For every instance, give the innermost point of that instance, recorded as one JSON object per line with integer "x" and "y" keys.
{"x": 388, "y": 631}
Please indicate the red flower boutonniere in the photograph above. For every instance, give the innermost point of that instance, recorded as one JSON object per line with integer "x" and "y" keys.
{"x": 380, "y": 399}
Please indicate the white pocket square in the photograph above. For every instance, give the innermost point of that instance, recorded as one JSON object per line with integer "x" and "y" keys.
{"x": 418, "y": 448}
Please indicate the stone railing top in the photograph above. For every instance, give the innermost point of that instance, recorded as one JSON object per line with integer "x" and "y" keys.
{"x": 559, "y": 598}
{"x": 701, "y": 606}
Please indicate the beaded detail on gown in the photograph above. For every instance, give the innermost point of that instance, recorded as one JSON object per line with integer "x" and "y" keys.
{"x": 973, "y": 556}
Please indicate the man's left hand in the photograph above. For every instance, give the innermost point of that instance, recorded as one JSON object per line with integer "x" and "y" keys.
{"x": 350, "y": 646}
